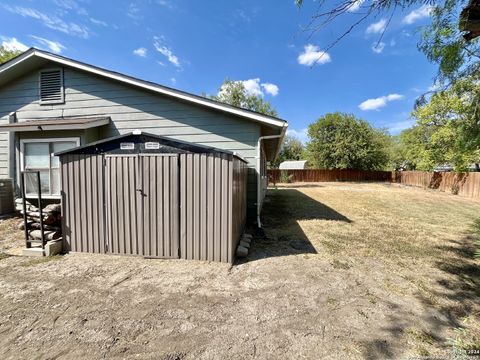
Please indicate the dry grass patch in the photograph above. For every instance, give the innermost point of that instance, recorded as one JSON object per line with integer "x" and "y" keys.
{"x": 346, "y": 271}
{"x": 423, "y": 240}
{"x": 10, "y": 236}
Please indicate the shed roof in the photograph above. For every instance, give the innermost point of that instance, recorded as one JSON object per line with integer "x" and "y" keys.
{"x": 166, "y": 145}
{"x": 293, "y": 165}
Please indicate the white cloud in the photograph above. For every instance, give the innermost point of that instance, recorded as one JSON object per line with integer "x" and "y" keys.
{"x": 313, "y": 55}
{"x": 355, "y": 5}
{"x": 435, "y": 86}
{"x": 254, "y": 87}
{"x": 377, "y": 103}
{"x": 53, "y": 46}
{"x": 422, "y": 12}
{"x": 70, "y": 5}
{"x": 98, "y": 22}
{"x": 301, "y": 135}
{"x": 12, "y": 44}
{"x": 134, "y": 12}
{"x": 52, "y": 22}
{"x": 378, "y": 47}
{"x": 173, "y": 80}
{"x": 165, "y": 3}
{"x": 271, "y": 89}
{"x": 142, "y": 52}
{"x": 393, "y": 97}
{"x": 165, "y": 51}
{"x": 377, "y": 28}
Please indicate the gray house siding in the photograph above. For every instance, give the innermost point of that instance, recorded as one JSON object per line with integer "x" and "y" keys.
{"x": 4, "y": 153}
{"x": 129, "y": 109}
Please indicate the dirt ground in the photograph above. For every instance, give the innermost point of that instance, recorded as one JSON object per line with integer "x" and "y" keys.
{"x": 346, "y": 271}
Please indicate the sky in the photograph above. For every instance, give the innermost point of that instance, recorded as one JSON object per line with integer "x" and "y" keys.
{"x": 191, "y": 45}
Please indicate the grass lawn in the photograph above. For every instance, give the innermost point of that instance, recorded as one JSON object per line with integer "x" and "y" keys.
{"x": 361, "y": 271}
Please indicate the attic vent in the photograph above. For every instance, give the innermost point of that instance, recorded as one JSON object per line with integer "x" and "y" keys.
{"x": 51, "y": 86}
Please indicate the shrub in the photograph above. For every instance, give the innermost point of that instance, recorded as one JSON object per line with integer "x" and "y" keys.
{"x": 284, "y": 178}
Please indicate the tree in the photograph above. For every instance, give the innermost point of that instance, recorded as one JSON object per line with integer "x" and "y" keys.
{"x": 6, "y": 54}
{"x": 234, "y": 93}
{"x": 449, "y": 41}
{"x": 292, "y": 149}
{"x": 446, "y": 43}
{"x": 341, "y": 141}
{"x": 447, "y": 128}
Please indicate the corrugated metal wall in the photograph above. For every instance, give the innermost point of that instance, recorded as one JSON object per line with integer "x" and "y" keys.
{"x": 191, "y": 206}
{"x": 82, "y": 180}
{"x": 212, "y": 197}
{"x": 142, "y": 205}
{"x": 239, "y": 201}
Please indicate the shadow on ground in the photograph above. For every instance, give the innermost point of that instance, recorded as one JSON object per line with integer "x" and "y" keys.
{"x": 297, "y": 186}
{"x": 459, "y": 285}
{"x": 282, "y": 210}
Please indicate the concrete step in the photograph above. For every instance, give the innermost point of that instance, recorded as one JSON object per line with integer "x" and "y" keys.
{"x": 34, "y": 251}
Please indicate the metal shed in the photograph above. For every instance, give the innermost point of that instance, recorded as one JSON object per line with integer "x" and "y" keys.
{"x": 148, "y": 195}
{"x": 293, "y": 165}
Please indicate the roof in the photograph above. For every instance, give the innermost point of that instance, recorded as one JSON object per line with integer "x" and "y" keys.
{"x": 67, "y": 123}
{"x": 30, "y": 58}
{"x": 165, "y": 145}
{"x": 293, "y": 165}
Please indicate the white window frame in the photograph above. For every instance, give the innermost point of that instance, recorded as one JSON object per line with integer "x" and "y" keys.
{"x": 46, "y": 140}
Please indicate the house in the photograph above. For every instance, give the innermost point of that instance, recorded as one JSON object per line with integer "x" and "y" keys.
{"x": 50, "y": 103}
{"x": 293, "y": 165}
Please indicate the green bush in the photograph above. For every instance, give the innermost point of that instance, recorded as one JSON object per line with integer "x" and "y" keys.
{"x": 284, "y": 178}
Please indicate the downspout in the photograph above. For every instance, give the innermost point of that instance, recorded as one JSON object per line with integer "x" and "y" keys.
{"x": 12, "y": 148}
{"x": 259, "y": 166}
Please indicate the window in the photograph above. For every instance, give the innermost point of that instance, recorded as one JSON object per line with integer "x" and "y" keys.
{"x": 37, "y": 155}
{"x": 51, "y": 86}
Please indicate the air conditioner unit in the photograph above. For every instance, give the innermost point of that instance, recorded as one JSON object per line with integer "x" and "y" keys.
{"x": 6, "y": 197}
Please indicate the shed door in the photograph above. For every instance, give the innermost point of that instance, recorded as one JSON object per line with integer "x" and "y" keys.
{"x": 142, "y": 205}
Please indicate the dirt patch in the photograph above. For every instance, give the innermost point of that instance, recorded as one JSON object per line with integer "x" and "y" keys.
{"x": 351, "y": 272}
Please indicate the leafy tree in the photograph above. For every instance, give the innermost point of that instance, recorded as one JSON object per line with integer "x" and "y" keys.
{"x": 447, "y": 129}
{"x": 447, "y": 41}
{"x": 398, "y": 154}
{"x": 292, "y": 149}
{"x": 6, "y": 54}
{"x": 341, "y": 141}
{"x": 234, "y": 93}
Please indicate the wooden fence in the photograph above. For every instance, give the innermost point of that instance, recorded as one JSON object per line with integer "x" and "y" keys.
{"x": 329, "y": 175}
{"x": 464, "y": 184}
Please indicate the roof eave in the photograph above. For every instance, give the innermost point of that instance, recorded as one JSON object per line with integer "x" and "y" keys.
{"x": 280, "y": 141}
{"x": 261, "y": 118}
